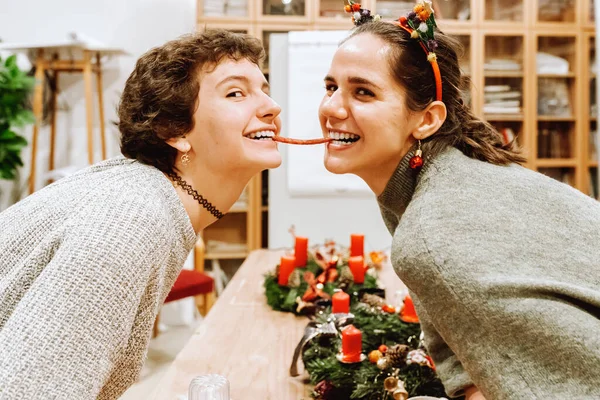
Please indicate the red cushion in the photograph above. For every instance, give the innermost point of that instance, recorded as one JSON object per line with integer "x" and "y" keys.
{"x": 190, "y": 283}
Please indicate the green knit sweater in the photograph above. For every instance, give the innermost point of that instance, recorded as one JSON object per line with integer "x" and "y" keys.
{"x": 85, "y": 265}
{"x": 504, "y": 266}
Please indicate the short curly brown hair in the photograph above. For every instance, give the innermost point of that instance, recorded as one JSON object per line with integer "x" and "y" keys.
{"x": 160, "y": 95}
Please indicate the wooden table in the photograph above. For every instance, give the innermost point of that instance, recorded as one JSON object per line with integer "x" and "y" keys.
{"x": 247, "y": 342}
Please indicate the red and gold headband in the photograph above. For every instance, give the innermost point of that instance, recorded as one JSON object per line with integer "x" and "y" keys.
{"x": 420, "y": 25}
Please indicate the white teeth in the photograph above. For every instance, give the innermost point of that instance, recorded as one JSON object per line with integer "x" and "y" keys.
{"x": 337, "y": 136}
{"x": 340, "y": 143}
{"x": 262, "y": 135}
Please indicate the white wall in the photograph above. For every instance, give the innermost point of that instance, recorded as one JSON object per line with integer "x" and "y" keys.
{"x": 134, "y": 25}
{"x": 317, "y": 217}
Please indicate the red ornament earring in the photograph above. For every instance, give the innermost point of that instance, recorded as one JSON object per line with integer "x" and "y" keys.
{"x": 416, "y": 161}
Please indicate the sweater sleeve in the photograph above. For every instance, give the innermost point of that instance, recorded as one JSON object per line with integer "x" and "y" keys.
{"x": 448, "y": 366}
{"x": 72, "y": 327}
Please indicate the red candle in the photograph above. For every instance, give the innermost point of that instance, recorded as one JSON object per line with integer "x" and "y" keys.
{"x": 340, "y": 302}
{"x": 408, "y": 313}
{"x": 357, "y": 266}
{"x": 357, "y": 245}
{"x": 351, "y": 344}
{"x": 301, "y": 251}
{"x": 286, "y": 267}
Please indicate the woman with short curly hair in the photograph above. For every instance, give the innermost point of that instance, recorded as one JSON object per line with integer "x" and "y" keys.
{"x": 86, "y": 262}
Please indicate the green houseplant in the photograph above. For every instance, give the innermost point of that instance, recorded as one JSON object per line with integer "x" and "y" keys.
{"x": 15, "y": 112}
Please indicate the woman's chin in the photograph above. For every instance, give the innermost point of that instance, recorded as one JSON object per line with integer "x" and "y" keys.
{"x": 337, "y": 166}
{"x": 269, "y": 161}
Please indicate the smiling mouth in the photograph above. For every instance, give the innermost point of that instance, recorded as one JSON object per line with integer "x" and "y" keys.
{"x": 342, "y": 138}
{"x": 261, "y": 135}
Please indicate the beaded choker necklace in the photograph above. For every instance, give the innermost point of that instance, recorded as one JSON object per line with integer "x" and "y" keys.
{"x": 197, "y": 196}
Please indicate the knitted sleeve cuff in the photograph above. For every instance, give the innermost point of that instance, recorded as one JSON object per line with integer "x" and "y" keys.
{"x": 453, "y": 376}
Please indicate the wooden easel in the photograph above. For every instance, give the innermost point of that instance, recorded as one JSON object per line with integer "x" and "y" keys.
{"x": 54, "y": 66}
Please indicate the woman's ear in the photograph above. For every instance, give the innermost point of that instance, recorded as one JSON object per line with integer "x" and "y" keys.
{"x": 180, "y": 143}
{"x": 432, "y": 119}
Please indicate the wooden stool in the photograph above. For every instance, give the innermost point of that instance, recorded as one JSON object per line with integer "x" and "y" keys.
{"x": 54, "y": 66}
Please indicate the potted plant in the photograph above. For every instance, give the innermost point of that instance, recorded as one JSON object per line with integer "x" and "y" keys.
{"x": 15, "y": 112}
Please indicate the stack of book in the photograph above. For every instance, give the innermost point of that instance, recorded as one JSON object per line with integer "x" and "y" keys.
{"x": 231, "y": 8}
{"x": 394, "y": 9}
{"x": 214, "y": 8}
{"x": 506, "y": 11}
{"x": 236, "y": 8}
{"x": 502, "y": 64}
{"x": 553, "y": 143}
{"x": 502, "y": 99}
{"x": 556, "y": 10}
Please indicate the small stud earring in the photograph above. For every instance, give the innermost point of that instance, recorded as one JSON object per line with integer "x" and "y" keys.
{"x": 185, "y": 158}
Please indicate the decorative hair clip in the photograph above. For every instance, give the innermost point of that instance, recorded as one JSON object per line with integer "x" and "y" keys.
{"x": 419, "y": 23}
{"x": 360, "y": 15}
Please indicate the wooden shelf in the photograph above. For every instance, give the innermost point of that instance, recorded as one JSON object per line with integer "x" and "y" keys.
{"x": 215, "y": 20}
{"x": 593, "y": 164}
{"x": 503, "y": 74}
{"x": 551, "y": 118}
{"x": 224, "y": 255}
{"x": 264, "y": 208}
{"x": 556, "y": 162}
{"x": 503, "y": 117}
{"x": 238, "y": 209}
{"x": 569, "y": 75}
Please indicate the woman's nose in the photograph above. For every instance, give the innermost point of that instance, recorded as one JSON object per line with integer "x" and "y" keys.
{"x": 333, "y": 107}
{"x": 270, "y": 109}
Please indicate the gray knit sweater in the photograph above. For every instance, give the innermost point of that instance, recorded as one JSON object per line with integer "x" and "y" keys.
{"x": 85, "y": 265}
{"x": 504, "y": 265}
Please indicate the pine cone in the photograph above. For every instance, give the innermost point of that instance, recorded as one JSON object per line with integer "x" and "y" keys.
{"x": 397, "y": 355}
{"x": 346, "y": 277}
{"x": 295, "y": 278}
{"x": 373, "y": 300}
{"x": 323, "y": 390}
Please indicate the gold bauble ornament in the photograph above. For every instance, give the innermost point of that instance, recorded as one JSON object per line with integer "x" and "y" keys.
{"x": 400, "y": 392}
{"x": 390, "y": 383}
{"x": 382, "y": 363}
{"x": 400, "y": 395}
{"x": 374, "y": 356}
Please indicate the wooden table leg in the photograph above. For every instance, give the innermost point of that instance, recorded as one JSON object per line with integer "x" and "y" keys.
{"x": 89, "y": 103}
{"x": 53, "y": 103}
{"x": 100, "y": 105}
{"x": 38, "y": 96}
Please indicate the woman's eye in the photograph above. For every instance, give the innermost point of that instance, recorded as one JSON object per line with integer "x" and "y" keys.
{"x": 330, "y": 88}
{"x": 364, "y": 92}
{"x": 237, "y": 93}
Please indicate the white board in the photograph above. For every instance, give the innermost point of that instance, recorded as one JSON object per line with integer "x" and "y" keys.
{"x": 309, "y": 56}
